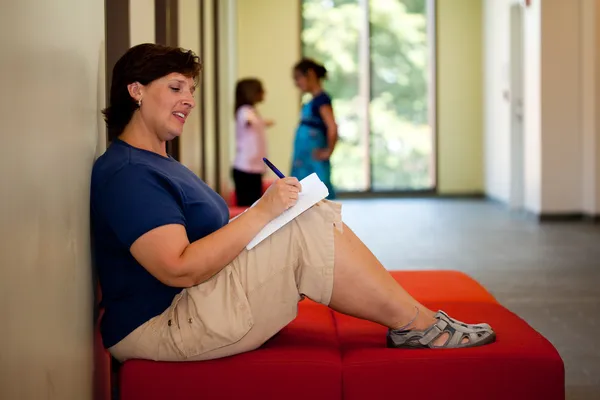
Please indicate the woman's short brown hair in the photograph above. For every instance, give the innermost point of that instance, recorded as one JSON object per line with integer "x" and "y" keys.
{"x": 143, "y": 63}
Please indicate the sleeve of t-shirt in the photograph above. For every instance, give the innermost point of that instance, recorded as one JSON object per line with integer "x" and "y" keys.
{"x": 319, "y": 101}
{"x": 251, "y": 117}
{"x": 136, "y": 200}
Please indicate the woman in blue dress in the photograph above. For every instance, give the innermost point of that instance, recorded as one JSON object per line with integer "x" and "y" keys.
{"x": 316, "y": 134}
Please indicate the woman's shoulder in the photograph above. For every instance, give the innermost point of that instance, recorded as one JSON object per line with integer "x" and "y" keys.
{"x": 244, "y": 110}
{"x": 320, "y": 100}
{"x": 117, "y": 157}
{"x": 121, "y": 168}
{"x": 323, "y": 98}
{"x": 248, "y": 114}
{"x": 120, "y": 173}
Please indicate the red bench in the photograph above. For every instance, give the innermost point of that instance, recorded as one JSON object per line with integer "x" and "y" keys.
{"x": 325, "y": 355}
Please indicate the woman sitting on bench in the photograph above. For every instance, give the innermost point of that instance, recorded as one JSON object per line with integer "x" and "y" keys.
{"x": 177, "y": 281}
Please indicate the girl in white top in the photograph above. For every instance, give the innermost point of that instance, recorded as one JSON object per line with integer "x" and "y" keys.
{"x": 251, "y": 142}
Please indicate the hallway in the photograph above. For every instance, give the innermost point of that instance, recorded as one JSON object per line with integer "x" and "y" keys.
{"x": 549, "y": 274}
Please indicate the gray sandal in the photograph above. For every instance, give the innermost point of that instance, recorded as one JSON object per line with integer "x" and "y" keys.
{"x": 477, "y": 335}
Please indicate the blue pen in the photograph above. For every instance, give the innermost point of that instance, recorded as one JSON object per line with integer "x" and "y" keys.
{"x": 273, "y": 168}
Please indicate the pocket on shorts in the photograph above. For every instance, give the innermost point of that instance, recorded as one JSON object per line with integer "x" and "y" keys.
{"x": 211, "y": 315}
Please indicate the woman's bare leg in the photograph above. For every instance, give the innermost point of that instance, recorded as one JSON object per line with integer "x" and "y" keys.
{"x": 363, "y": 288}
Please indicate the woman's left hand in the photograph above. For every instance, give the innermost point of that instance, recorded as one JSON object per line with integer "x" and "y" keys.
{"x": 322, "y": 154}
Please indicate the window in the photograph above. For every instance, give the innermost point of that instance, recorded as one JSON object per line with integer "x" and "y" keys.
{"x": 379, "y": 54}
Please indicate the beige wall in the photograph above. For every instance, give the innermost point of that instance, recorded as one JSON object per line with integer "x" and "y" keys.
{"x": 52, "y": 78}
{"x": 590, "y": 105}
{"x": 561, "y": 107}
{"x": 460, "y": 96}
{"x": 268, "y": 43}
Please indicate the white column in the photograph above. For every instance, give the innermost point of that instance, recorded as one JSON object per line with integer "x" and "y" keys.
{"x": 52, "y": 77}
{"x": 532, "y": 118}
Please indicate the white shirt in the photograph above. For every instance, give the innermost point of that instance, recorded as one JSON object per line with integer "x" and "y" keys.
{"x": 251, "y": 143}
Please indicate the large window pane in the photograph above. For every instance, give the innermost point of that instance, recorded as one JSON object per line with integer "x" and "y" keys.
{"x": 401, "y": 137}
{"x": 378, "y": 55}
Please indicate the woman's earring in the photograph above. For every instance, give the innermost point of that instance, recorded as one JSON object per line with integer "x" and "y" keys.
{"x": 139, "y": 102}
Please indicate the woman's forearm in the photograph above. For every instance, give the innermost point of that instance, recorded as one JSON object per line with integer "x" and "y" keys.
{"x": 205, "y": 257}
{"x": 332, "y": 137}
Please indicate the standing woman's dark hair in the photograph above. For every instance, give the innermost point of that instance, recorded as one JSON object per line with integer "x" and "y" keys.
{"x": 308, "y": 64}
{"x": 143, "y": 63}
{"x": 248, "y": 92}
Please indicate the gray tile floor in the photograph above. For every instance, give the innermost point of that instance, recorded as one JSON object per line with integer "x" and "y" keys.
{"x": 548, "y": 273}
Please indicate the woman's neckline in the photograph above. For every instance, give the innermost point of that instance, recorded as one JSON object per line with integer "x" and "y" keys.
{"x": 124, "y": 143}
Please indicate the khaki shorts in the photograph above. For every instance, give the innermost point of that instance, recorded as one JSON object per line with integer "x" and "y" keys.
{"x": 249, "y": 300}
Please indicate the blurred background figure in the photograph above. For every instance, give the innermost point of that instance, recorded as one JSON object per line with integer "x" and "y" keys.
{"x": 316, "y": 134}
{"x": 251, "y": 141}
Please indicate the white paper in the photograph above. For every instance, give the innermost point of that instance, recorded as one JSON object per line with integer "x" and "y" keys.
{"x": 313, "y": 191}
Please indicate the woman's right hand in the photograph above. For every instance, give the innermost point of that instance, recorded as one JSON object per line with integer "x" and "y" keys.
{"x": 280, "y": 196}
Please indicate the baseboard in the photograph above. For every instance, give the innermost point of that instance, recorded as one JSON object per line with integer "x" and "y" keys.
{"x": 569, "y": 217}
{"x": 560, "y": 217}
{"x": 460, "y": 196}
{"x": 592, "y": 218}
{"x": 552, "y": 216}
{"x": 595, "y": 219}
{"x": 418, "y": 194}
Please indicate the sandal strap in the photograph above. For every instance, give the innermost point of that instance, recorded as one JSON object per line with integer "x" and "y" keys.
{"x": 456, "y": 331}
{"x": 481, "y": 326}
{"x": 433, "y": 332}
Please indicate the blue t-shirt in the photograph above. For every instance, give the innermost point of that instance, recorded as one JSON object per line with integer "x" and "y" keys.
{"x": 134, "y": 191}
{"x": 313, "y": 117}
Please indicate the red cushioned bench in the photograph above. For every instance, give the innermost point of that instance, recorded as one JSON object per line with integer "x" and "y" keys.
{"x": 325, "y": 355}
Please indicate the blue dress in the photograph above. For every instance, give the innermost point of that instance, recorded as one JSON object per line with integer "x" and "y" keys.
{"x": 311, "y": 135}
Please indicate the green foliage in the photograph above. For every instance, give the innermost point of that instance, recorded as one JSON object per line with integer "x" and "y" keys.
{"x": 400, "y": 138}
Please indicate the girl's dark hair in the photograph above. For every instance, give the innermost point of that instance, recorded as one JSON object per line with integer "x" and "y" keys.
{"x": 247, "y": 92}
{"x": 143, "y": 63}
{"x": 306, "y": 64}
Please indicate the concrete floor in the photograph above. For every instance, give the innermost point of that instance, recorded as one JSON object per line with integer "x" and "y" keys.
{"x": 549, "y": 274}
